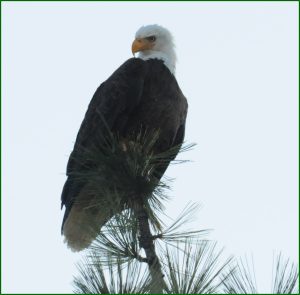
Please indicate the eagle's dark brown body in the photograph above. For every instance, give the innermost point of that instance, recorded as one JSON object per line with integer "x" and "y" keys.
{"x": 138, "y": 95}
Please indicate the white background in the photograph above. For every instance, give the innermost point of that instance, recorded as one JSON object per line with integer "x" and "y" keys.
{"x": 238, "y": 67}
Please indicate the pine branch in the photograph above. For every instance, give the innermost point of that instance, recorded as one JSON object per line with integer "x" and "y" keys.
{"x": 147, "y": 243}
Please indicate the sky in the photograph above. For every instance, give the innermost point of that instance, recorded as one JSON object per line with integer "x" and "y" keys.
{"x": 238, "y": 68}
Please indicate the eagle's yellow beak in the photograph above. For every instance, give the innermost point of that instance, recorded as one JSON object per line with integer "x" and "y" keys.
{"x": 140, "y": 45}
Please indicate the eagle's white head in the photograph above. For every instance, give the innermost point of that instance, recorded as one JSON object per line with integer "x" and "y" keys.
{"x": 155, "y": 41}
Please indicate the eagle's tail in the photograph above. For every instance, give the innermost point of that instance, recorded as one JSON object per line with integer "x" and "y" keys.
{"x": 82, "y": 227}
{"x": 84, "y": 220}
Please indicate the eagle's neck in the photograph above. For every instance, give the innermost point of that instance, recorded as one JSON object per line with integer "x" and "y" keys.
{"x": 169, "y": 58}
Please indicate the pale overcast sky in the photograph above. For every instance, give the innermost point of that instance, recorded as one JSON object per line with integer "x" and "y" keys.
{"x": 238, "y": 67}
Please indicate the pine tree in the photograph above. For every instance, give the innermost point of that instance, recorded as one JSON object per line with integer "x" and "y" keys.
{"x": 136, "y": 252}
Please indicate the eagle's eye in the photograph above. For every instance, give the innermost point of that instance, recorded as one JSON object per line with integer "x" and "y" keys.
{"x": 151, "y": 38}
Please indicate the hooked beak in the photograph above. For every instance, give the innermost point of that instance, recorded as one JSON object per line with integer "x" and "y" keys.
{"x": 140, "y": 45}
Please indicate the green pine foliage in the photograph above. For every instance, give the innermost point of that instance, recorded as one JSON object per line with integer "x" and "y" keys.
{"x": 122, "y": 177}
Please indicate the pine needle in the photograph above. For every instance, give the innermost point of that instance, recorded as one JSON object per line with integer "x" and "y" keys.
{"x": 118, "y": 240}
{"x": 94, "y": 278}
{"x": 176, "y": 232}
{"x": 286, "y": 279}
{"x": 241, "y": 279}
{"x": 117, "y": 171}
{"x": 195, "y": 269}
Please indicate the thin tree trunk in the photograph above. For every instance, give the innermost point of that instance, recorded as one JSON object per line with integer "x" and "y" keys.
{"x": 146, "y": 242}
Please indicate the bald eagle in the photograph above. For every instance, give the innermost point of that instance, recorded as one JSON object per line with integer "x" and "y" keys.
{"x": 141, "y": 93}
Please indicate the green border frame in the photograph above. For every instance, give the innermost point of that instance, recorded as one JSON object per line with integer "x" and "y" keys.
{"x": 132, "y": 1}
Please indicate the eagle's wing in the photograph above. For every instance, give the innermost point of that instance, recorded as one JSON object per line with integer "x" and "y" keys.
{"x": 174, "y": 149}
{"x": 120, "y": 93}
